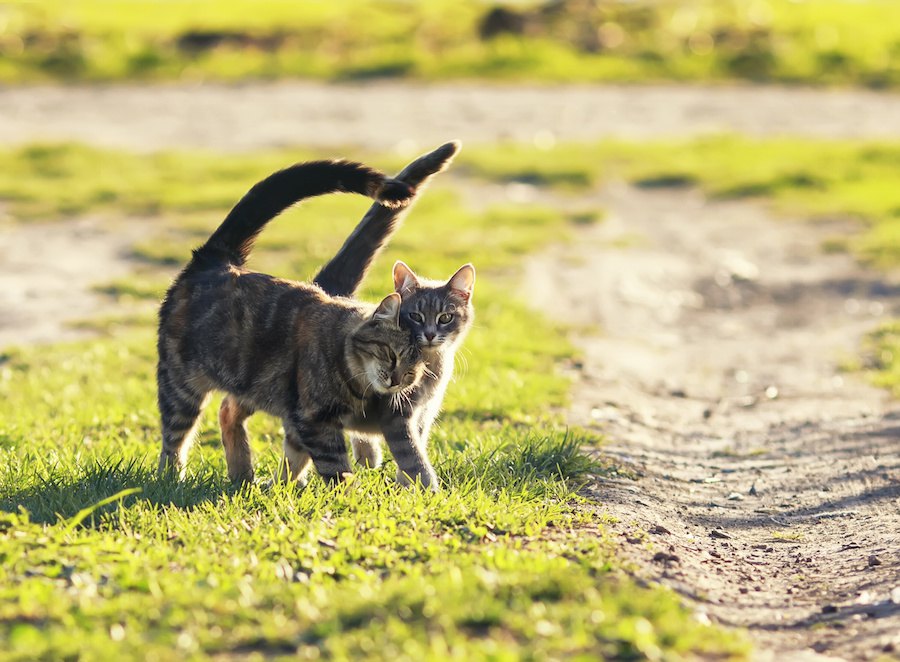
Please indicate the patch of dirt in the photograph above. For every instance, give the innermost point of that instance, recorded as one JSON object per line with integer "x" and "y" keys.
{"x": 415, "y": 116}
{"x": 768, "y": 489}
{"x": 47, "y": 271}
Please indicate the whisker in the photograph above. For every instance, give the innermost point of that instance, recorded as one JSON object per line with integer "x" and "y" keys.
{"x": 352, "y": 377}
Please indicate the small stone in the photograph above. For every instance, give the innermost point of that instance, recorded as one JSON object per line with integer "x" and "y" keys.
{"x": 829, "y": 609}
{"x": 716, "y": 533}
{"x": 874, "y": 560}
{"x": 659, "y": 530}
{"x": 735, "y": 496}
{"x": 744, "y": 589}
{"x": 753, "y": 491}
{"x": 895, "y": 595}
{"x": 663, "y": 557}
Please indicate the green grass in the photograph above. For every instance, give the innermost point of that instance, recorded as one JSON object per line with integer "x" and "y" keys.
{"x": 825, "y": 42}
{"x": 103, "y": 559}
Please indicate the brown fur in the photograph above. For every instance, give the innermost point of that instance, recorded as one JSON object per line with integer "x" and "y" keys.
{"x": 318, "y": 362}
{"x": 426, "y": 305}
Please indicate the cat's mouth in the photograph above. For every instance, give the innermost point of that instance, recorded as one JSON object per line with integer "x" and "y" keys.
{"x": 384, "y": 387}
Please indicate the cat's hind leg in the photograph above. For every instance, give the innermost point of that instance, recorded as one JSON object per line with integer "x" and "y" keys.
{"x": 367, "y": 451}
{"x": 179, "y": 409}
{"x": 233, "y": 424}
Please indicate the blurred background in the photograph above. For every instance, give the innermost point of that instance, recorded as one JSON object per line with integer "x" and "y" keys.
{"x": 820, "y": 42}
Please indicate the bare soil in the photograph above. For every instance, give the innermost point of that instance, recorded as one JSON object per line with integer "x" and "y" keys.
{"x": 410, "y": 116}
{"x": 48, "y": 271}
{"x": 766, "y": 483}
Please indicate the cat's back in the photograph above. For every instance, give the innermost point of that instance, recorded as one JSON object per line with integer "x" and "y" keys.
{"x": 231, "y": 309}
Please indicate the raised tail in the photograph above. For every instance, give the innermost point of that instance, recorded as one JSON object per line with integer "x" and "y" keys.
{"x": 344, "y": 273}
{"x": 234, "y": 238}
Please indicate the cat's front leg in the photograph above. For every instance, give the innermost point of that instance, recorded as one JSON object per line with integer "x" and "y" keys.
{"x": 410, "y": 454}
{"x": 324, "y": 444}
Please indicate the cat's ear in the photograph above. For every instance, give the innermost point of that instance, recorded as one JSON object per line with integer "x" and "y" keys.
{"x": 389, "y": 309}
{"x": 463, "y": 281}
{"x": 404, "y": 279}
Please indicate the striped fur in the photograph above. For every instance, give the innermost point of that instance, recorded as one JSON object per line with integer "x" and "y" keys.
{"x": 319, "y": 362}
{"x": 439, "y": 315}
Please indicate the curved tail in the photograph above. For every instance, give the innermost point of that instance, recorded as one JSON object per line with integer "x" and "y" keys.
{"x": 234, "y": 238}
{"x": 344, "y": 273}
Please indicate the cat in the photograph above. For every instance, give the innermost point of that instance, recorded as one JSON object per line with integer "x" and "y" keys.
{"x": 439, "y": 314}
{"x": 319, "y": 362}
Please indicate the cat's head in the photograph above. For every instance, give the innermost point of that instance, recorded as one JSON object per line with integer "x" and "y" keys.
{"x": 437, "y": 313}
{"x": 384, "y": 353}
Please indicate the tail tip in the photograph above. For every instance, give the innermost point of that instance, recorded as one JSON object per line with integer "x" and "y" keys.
{"x": 394, "y": 194}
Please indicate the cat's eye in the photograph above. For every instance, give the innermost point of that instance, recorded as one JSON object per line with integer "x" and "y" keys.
{"x": 445, "y": 318}
{"x": 417, "y": 318}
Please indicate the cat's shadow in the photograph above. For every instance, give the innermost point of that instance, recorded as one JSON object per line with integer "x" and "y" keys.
{"x": 59, "y": 496}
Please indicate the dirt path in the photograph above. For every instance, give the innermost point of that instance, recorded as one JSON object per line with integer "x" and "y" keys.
{"x": 769, "y": 482}
{"x": 386, "y": 115}
{"x": 48, "y": 270}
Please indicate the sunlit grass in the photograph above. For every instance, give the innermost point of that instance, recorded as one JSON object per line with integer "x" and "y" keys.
{"x": 823, "y": 42}
{"x": 103, "y": 559}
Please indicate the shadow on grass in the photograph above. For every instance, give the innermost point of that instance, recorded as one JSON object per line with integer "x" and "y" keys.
{"x": 62, "y": 495}
{"x": 535, "y": 465}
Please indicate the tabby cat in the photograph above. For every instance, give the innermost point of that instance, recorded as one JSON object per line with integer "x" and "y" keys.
{"x": 319, "y": 362}
{"x": 439, "y": 314}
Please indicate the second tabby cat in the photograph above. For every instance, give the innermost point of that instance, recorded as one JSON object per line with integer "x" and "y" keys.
{"x": 439, "y": 314}
{"x": 320, "y": 363}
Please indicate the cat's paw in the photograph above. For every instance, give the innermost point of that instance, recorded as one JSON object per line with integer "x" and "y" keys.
{"x": 427, "y": 480}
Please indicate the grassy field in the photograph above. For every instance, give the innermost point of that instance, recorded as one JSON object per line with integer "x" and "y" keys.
{"x": 827, "y": 42}
{"x": 102, "y": 559}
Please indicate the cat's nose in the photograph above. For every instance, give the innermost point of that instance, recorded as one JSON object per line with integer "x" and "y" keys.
{"x": 429, "y": 336}
{"x": 395, "y": 379}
